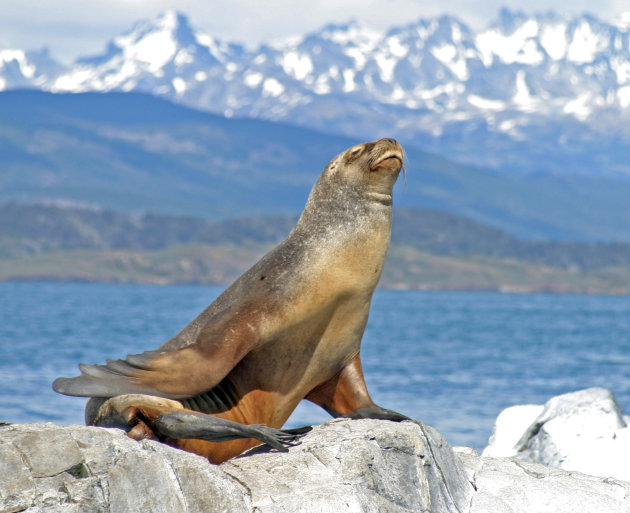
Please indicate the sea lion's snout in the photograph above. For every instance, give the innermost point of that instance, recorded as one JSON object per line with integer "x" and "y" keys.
{"x": 388, "y": 156}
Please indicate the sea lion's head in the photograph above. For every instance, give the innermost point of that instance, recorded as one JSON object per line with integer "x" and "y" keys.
{"x": 353, "y": 184}
{"x": 371, "y": 167}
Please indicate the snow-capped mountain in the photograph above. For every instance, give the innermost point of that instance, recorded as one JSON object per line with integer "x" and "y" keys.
{"x": 164, "y": 56}
{"x": 531, "y": 93}
{"x": 19, "y": 68}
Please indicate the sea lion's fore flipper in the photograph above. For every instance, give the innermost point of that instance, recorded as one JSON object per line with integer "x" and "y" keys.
{"x": 376, "y": 412}
{"x": 346, "y": 395}
{"x": 117, "y": 377}
{"x": 345, "y": 392}
{"x": 175, "y": 374}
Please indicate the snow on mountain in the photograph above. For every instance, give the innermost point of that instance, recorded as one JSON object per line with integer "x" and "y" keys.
{"x": 529, "y": 93}
{"x": 163, "y": 56}
{"x": 19, "y": 68}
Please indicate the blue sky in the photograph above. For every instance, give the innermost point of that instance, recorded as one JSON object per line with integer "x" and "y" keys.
{"x": 71, "y": 28}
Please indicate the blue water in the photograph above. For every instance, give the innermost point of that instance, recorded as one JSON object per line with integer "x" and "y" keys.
{"x": 452, "y": 360}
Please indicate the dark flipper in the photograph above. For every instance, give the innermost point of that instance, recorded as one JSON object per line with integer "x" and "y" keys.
{"x": 299, "y": 430}
{"x": 117, "y": 377}
{"x": 87, "y": 385}
{"x": 345, "y": 395}
{"x": 376, "y": 412}
{"x": 214, "y": 429}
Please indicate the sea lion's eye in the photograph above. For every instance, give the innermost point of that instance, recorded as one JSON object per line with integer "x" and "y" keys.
{"x": 356, "y": 152}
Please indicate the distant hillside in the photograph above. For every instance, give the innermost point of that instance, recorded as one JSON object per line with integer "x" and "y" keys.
{"x": 35, "y": 229}
{"x": 443, "y": 233}
{"x": 429, "y": 250}
{"x": 135, "y": 153}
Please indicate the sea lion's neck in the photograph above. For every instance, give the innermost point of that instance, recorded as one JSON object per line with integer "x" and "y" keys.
{"x": 380, "y": 198}
{"x": 334, "y": 207}
{"x": 345, "y": 232}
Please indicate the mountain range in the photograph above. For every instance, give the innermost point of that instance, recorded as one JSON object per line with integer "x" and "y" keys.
{"x": 429, "y": 250}
{"x": 27, "y": 230}
{"x": 534, "y": 94}
{"x": 136, "y": 153}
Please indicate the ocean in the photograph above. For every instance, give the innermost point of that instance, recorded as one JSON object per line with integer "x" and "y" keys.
{"x": 453, "y": 360}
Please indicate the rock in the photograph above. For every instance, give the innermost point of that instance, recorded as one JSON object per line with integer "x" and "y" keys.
{"x": 106, "y": 471}
{"x": 513, "y": 486}
{"x": 343, "y": 465}
{"x": 361, "y": 465}
{"x": 583, "y": 431}
{"x": 509, "y": 428}
{"x": 17, "y": 488}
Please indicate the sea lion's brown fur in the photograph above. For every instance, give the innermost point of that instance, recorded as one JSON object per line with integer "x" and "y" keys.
{"x": 289, "y": 328}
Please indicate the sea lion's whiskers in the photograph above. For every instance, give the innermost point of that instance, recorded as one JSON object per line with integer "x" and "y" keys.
{"x": 404, "y": 167}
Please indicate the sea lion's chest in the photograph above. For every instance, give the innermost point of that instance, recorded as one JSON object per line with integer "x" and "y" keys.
{"x": 300, "y": 357}
{"x": 316, "y": 328}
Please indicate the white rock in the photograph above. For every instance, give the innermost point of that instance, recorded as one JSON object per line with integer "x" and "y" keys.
{"x": 514, "y": 486}
{"x": 509, "y": 428}
{"x": 352, "y": 466}
{"x": 582, "y": 431}
{"x": 343, "y": 465}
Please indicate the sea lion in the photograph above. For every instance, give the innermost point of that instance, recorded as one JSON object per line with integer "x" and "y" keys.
{"x": 288, "y": 329}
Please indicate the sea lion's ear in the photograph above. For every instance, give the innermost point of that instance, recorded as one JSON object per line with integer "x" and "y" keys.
{"x": 332, "y": 166}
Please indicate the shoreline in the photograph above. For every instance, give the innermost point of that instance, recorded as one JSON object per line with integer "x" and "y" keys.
{"x": 507, "y": 290}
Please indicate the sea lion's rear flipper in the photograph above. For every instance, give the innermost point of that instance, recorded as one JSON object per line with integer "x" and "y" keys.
{"x": 346, "y": 395}
{"x": 214, "y": 429}
{"x": 163, "y": 419}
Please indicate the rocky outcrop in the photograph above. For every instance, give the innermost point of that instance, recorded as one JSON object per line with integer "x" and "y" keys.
{"x": 354, "y": 466}
{"x": 583, "y": 431}
{"x": 514, "y": 486}
{"x": 342, "y": 466}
